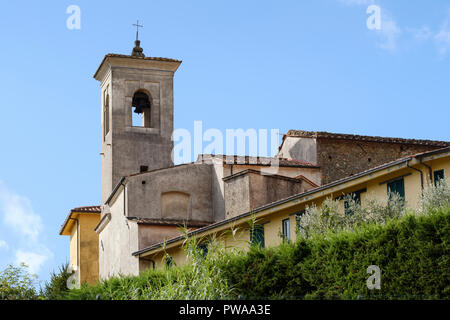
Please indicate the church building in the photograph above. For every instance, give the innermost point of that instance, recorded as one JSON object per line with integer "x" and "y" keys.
{"x": 145, "y": 198}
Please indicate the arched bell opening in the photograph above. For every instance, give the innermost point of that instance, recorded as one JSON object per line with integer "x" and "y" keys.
{"x": 141, "y": 109}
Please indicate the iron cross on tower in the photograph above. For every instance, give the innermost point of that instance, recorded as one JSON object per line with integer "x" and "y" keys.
{"x": 137, "y": 25}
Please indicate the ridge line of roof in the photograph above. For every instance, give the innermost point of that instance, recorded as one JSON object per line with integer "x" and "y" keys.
{"x": 349, "y": 136}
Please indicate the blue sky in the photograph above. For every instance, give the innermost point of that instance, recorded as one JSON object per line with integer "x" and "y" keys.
{"x": 310, "y": 65}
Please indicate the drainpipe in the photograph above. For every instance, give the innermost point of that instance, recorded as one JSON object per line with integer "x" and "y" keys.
{"x": 429, "y": 170}
{"x": 124, "y": 195}
{"x": 421, "y": 174}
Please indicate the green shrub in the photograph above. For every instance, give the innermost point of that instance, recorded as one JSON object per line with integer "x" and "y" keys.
{"x": 199, "y": 279}
{"x": 436, "y": 197}
{"x": 328, "y": 218}
{"x": 413, "y": 254}
{"x": 57, "y": 286}
{"x": 411, "y": 248}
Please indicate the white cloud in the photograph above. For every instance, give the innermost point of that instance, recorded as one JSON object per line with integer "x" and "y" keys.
{"x": 422, "y": 34}
{"x": 442, "y": 37}
{"x": 3, "y": 245}
{"x": 26, "y": 226}
{"x": 389, "y": 32}
{"x": 18, "y": 214}
{"x": 32, "y": 259}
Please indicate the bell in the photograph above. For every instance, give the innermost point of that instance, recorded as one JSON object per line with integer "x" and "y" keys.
{"x": 140, "y": 102}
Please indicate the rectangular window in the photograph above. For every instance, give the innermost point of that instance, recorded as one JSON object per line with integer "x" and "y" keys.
{"x": 438, "y": 175}
{"x": 257, "y": 235}
{"x": 286, "y": 229}
{"x": 396, "y": 186}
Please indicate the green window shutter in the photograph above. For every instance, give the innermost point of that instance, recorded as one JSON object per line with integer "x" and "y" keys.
{"x": 257, "y": 235}
{"x": 286, "y": 229}
{"x": 397, "y": 186}
{"x": 437, "y": 176}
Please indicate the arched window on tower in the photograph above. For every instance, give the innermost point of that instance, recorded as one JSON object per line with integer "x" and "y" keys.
{"x": 105, "y": 114}
{"x": 141, "y": 108}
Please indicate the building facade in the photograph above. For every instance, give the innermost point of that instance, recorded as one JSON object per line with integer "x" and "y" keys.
{"x": 145, "y": 198}
{"x": 80, "y": 225}
{"x": 278, "y": 221}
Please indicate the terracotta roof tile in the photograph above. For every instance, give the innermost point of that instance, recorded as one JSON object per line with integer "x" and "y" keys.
{"x": 93, "y": 209}
{"x": 257, "y": 161}
{"x": 344, "y": 136}
{"x": 141, "y": 58}
{"x": 88, "y": 209}
{"x": 169, "y": 222}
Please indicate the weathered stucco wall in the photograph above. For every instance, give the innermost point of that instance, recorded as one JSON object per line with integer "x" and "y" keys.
{"x": 151, "y": 234}
{"x": 313, "y": 174}
{"x": 145, "y": 193}
{"x": 117, "y": 241}
{"x": 304, "y": 149}
{"x": 237, "y": 196}
{"x": 250, "y": 189}
{"x": 126, "y": 147}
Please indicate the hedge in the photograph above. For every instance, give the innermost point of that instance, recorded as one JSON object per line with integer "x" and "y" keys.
{"x": 412, "y": 253}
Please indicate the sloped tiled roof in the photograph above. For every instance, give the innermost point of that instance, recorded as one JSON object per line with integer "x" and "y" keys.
{"x": 141, "y": 58}
{"x": 93, "y": 209}
{"x": 88, "y": 209}
{"x": 257, "y": 161}
{"x": 116, "y": 55}
{"x": 344, "y": 136}
{"x": 169, "y": 222}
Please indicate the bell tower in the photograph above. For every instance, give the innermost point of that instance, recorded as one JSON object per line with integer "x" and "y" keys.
{"x": 135, "y": 87}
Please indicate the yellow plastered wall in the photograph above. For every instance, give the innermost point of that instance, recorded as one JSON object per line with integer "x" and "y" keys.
{"x": 84, "y": 245}
{"x": 88, "y": 248}
{"x": 440, "y": 164}
{"x": 377, "y": 188}
{"x": 74, "y": 245}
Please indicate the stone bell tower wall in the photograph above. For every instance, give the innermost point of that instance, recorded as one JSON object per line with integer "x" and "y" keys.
{"x": 128, "y": 149}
